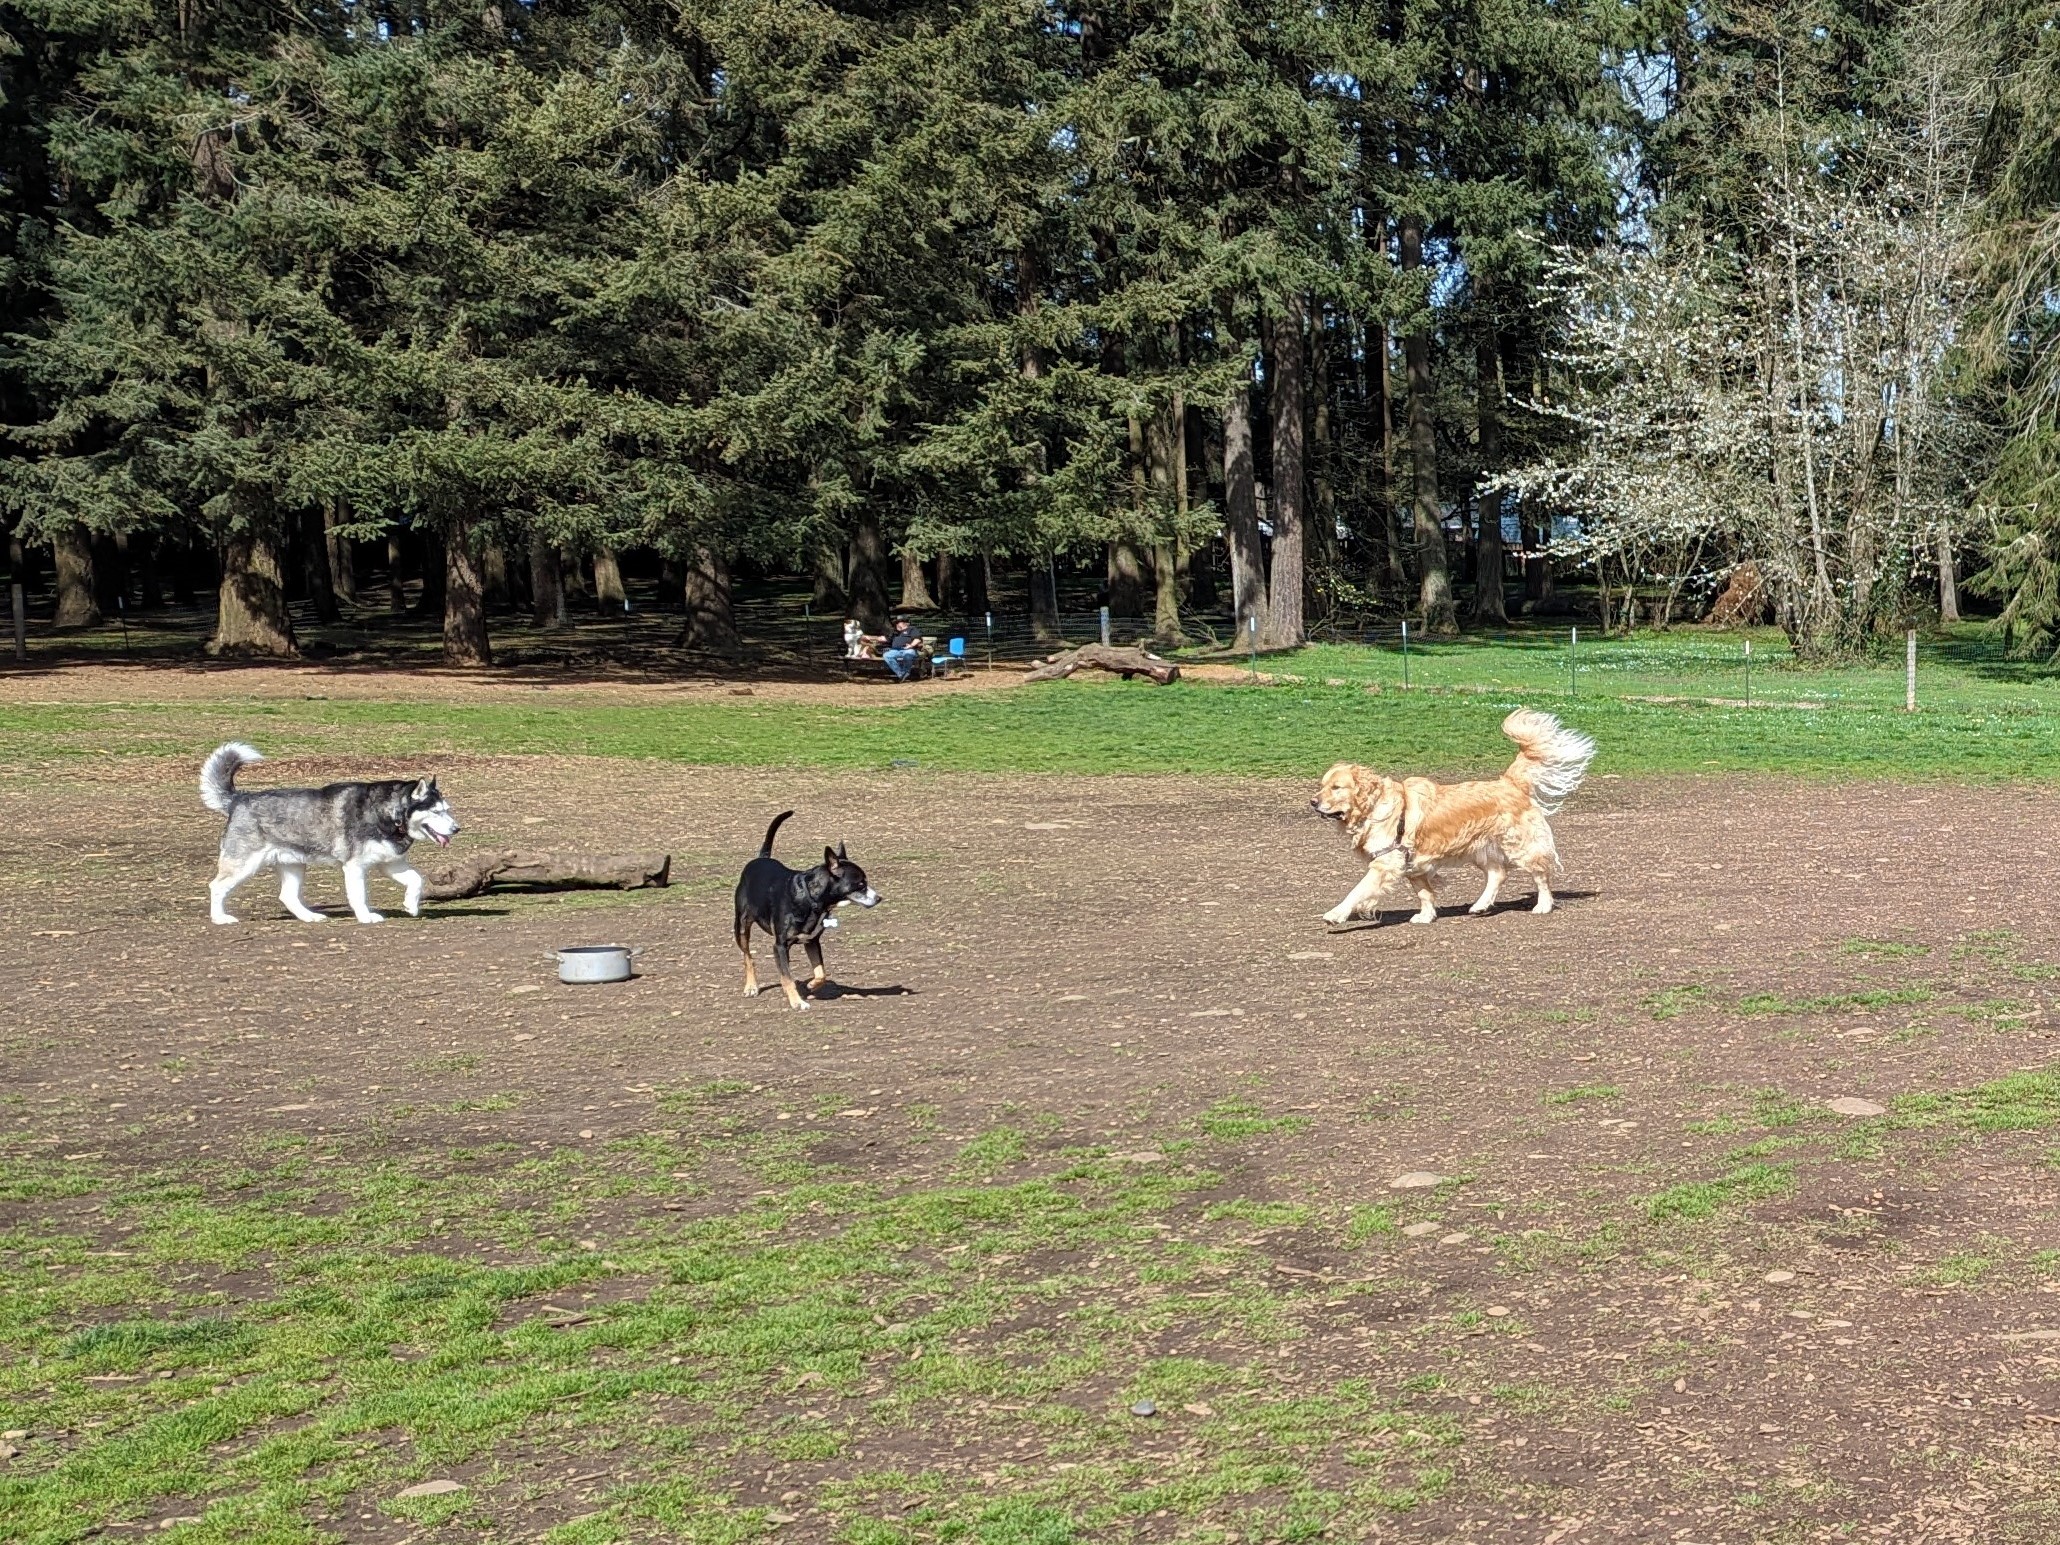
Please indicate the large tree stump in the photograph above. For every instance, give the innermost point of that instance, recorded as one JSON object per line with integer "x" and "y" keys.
{"x": 548, "y": 871}
{"x": 1106, "y": 657}
{"x": 1746, "y": 599}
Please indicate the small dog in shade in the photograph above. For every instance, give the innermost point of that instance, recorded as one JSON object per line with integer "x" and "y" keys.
{"x": 1414, "y": 827}
{"x": 357, "y": 825}
{"x": 794, "y": 905}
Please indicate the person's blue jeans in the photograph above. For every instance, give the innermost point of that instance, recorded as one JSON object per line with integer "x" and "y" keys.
{"x": 901, "y": 662}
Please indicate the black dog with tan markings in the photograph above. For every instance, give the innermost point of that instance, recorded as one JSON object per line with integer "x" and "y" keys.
{"x": 795, "y": 906}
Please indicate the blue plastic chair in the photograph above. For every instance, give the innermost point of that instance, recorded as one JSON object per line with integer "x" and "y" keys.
{"x": 954, "y": 659}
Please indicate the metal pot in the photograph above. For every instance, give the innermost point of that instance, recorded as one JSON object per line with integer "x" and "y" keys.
{"x": 594, "y": 963}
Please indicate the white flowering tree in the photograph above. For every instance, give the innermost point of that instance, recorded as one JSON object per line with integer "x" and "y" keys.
{"x": 1783, "y": 396}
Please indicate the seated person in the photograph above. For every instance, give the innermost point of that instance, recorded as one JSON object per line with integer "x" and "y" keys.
{"x": 903, "y": 649}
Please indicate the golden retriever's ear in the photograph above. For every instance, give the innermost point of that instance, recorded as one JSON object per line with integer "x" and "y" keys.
{"x": 1366, "y": 792}
{"x": 1386, "y": 810}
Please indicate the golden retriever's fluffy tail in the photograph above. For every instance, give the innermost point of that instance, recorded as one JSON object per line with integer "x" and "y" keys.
{"x": 1552, "y": 759}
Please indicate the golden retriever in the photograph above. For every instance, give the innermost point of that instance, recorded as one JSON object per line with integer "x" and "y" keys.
{"x": 1413, "y": 827}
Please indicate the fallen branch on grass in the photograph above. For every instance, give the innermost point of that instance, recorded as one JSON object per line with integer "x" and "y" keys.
{"x": 548, "y": 871}
{"x": 1124, "y": 662}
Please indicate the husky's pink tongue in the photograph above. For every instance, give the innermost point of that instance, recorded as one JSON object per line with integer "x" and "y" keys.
{"x": 441, "y": 840}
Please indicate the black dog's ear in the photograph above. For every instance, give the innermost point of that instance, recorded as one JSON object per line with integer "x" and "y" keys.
{"x": 830, "y": 860}
{"x": 840, "y": 851}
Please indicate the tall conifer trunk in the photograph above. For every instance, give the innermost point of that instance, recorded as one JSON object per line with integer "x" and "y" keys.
{"x": 1283, "y": 627}
{"x": 465, "y": 640}
{"x": 546, "y": 582}
{"x": 1490, "y": 604}
{"x": 608, "y": 591}
{"x": 71, "y": 551}
{"x": 1241, "y": 513}
{"x": 314, "y": 551}
{"x": 915, "y": 585}
{"x": 1434, "y": 596}
{"x": 251, "y": 616}
{"x": 343, "y": 572}
{"x": 869, "y": 573}
{"x": 711, "y": 616}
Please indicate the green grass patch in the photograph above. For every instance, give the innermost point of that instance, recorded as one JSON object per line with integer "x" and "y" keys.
{"x": 1582, "y": 1092}
{"x": 2020, "y": 1102}
{"x": 1833, "y": 1003}
{"x": 1264, "y": 1214}
{"x": 1884, "y": 949}
{"x": 1961, "y": 1269}
{"x": 1696, "y": 1201}
{"x": 1366, "y": 1223}
{"x": 813, "y": 1319}
{"x": 1984, "y": 719}
{"x": 1997, "y": 1013}
{"x": 1672, "y": 1002}
{"x": 1774, "y": 1108}
{"x": 991, "y": 1151}
{"x": 1239, "y": 1117}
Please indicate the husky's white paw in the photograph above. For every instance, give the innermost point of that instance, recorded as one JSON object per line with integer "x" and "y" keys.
{"x": 1427, "y": 915}
{"x": 220, "y": 917}
{"x": 371, "y": 917}
{"x": 1338, "y": 915}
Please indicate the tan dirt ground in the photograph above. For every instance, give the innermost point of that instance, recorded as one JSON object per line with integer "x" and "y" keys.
{"x": 1124, "y": 951}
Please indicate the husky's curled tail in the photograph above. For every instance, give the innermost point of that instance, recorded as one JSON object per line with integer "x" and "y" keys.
{"x": 218, "y": 774}
{"x": 1551, "y": 759}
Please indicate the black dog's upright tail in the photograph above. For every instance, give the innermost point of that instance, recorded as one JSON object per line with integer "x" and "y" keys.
{"x": 772, "y": 831}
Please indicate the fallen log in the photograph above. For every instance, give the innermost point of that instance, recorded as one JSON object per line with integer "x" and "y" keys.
{"x": 1104, "y": 657}
{"x": 547, "y": 871}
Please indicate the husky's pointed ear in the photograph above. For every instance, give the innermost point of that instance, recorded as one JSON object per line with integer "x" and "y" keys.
{"x": 425, "y": 788}
{"x": 830, "y": 860}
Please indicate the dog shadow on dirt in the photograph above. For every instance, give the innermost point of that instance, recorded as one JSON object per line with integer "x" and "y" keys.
{"x": 1398, "y": 917}
{"x": 831, "y": 990}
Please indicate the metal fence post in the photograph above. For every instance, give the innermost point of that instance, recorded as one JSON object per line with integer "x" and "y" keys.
{"x": 1105, "y": 627}
{"x": 1405, "y": 654}
{"x": 1910, "y": 676}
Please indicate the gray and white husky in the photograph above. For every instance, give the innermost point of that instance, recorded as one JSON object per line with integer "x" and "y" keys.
{"x": 357, "y": 825}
